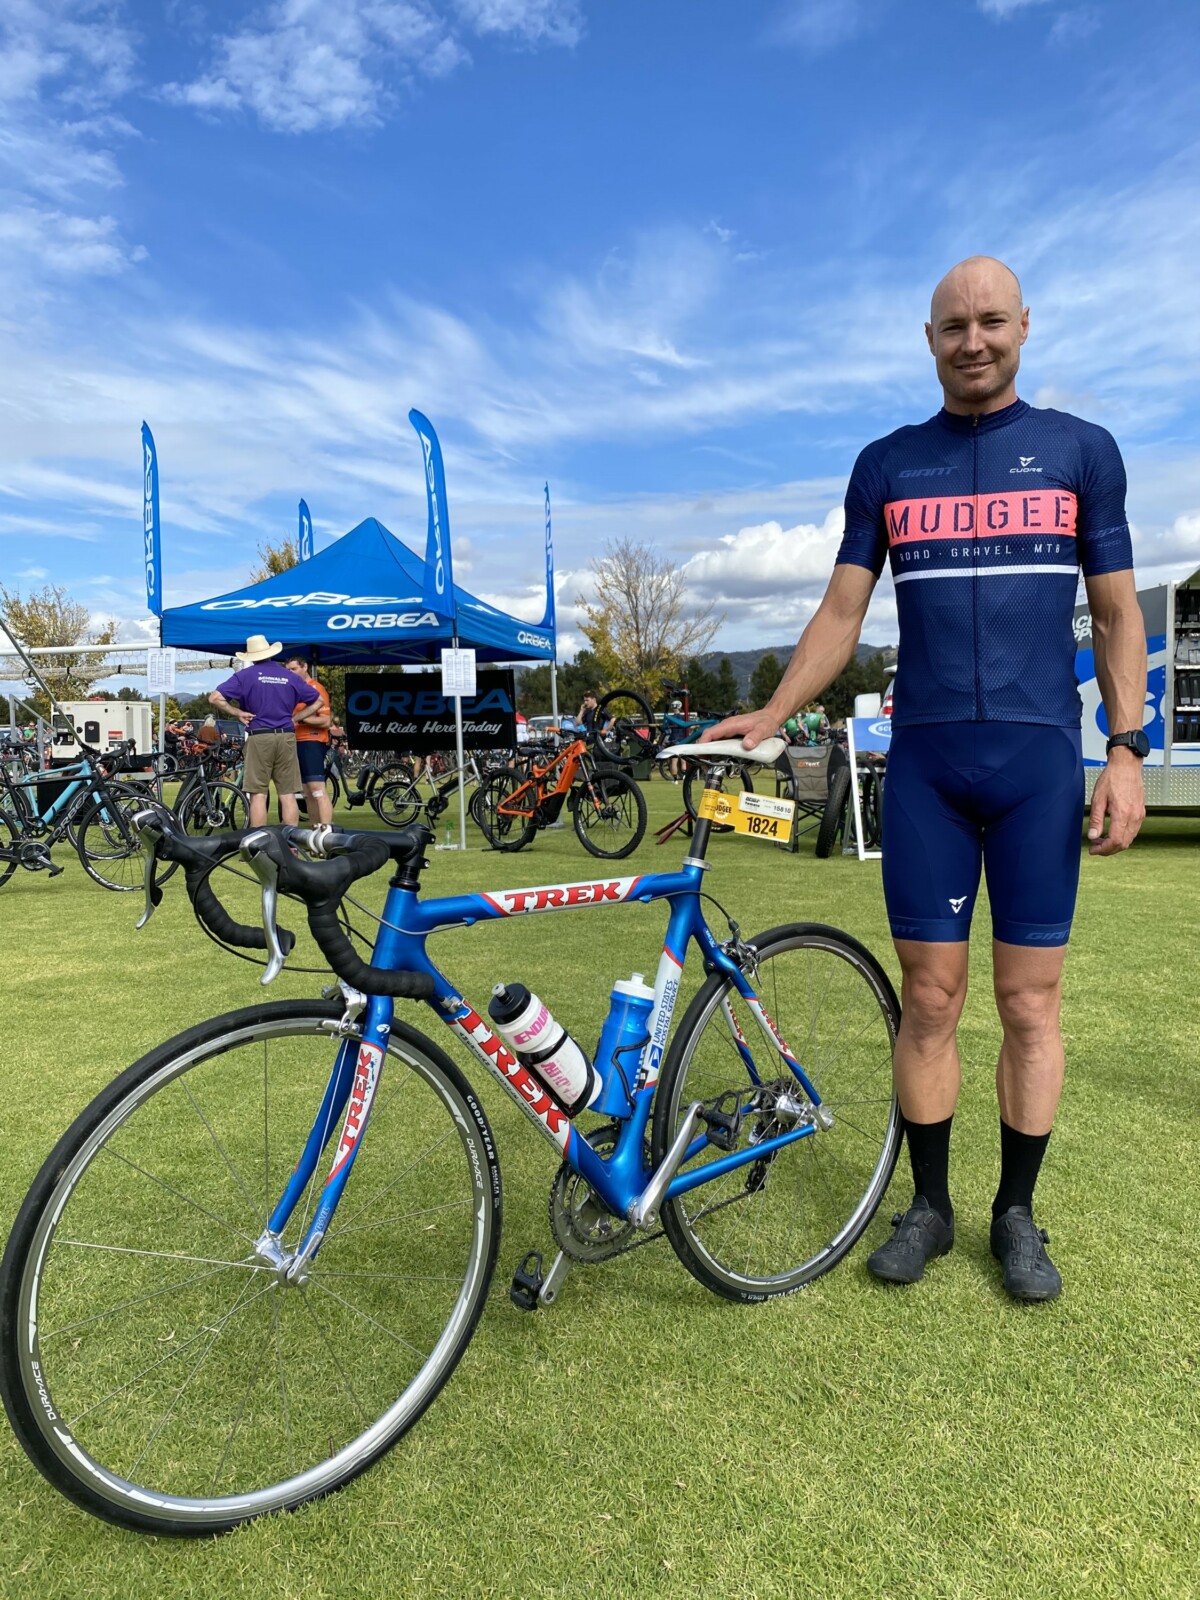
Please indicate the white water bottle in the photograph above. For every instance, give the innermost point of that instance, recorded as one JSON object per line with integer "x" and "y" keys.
{"x": 543, "y": 1047}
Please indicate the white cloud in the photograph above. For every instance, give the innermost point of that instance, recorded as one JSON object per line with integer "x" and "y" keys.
{"x": 311, "y": 65}
{"x": 1003, "y": 9}
{"x": 304, "y": 65}
{"x": 534, "y": 21}
{"x": 769, "y": 561}
{"x": 817, "y": 26}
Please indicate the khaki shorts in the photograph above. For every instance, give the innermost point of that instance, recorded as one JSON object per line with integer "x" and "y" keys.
{"x": 271, "y": 757}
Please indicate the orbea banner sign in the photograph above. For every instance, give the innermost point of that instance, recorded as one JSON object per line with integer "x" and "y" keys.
{"x": 409, "y": 713}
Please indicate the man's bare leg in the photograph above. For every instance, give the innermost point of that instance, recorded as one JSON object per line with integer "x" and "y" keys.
{"x": 258, "y": 810}
{"x": 1029, "y": 1072}
{"x": 925, "y": 1065}
{"x": 289, "y": 810}
{"x": 317, "y": 803}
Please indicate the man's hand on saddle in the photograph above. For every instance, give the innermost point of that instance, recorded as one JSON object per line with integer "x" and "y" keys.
{"x": 1120, "y": 799}
{"x": 752, "y": 727}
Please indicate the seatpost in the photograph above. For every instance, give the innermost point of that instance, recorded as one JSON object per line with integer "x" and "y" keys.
{"x": 703, "y": 827}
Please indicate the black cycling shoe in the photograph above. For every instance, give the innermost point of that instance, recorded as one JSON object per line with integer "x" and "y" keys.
{"x": 921, "y": 1234}
{"x": 1020, "y": 1248}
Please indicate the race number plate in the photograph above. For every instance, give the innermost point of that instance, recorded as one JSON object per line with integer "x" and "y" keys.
{"x": 759, "y": 815}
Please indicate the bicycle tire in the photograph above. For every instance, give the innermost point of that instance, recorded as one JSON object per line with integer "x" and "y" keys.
{"x": 398, "y": 803}
{"x": 804, "y": 1207}
{"x": 108, "y": 847}
{"x": 695, "y": 779}
{"x": 92, "y": 1324}
{"x": 624, "y": 727}
{"x": 609, "y": 813}
{"x": 333, "y": 789}
{"x": 872, "y": 808}
{"x": 833, "y": 816}
{"x": 218, "y": 807}
{"x": 504, "y": 831}
{"x": 10, "y": 840}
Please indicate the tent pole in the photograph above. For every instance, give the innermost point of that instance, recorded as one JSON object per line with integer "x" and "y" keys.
{"x": 554, "y": 687}
{"x": 462, "y": 792}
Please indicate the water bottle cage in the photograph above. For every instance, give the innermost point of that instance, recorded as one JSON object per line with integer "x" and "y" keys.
{"x": 623, "y": 1049}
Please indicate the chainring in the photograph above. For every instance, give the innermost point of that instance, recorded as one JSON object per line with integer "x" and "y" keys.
{"x": 583, "y": 1226}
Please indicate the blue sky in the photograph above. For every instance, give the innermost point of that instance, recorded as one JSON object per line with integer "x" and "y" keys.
{"x": 673, "y": 255}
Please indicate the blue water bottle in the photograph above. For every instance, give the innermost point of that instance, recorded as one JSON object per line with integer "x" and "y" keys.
{"x": 626, "y": 1025}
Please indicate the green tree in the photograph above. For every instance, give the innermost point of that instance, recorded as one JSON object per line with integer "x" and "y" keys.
{"x": 575, "y": 678}
{"x": 639, "y": 626}
{"x": 858, "y": 677}
{"x": 728, "y": 698}
{"x": 48, "y": 618}
{"x": 764, "y": 680}
{"x": 704, "y": 692}
{"x": 128, "y": 692}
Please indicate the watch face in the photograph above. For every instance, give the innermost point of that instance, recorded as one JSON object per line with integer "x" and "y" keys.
{"x": 1139, "y": 743}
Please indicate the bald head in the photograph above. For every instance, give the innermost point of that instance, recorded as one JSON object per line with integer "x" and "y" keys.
{"x": 977, "y": 276}
{"x": 976, "y": 328}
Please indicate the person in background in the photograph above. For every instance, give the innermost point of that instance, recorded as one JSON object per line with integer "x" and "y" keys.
{"x": 312, "y": 743}
{"x": 266, "y": 694}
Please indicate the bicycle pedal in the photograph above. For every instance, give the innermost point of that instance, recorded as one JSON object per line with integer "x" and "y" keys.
{"x": 527, "y": 1282}
{"x": 723, "y": 1127}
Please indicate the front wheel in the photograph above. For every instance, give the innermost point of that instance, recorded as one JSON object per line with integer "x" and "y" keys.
{"x": 833, "y": 818}
{"x": 610, "y": 813}
{"x": 771, "y": 1225}
{"x": 157, "y": 1368}
{"x": 506, "y": 824}
{"x": 108, "y": 845}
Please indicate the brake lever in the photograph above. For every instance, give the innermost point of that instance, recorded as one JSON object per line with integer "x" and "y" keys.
{"x": 148, "y": 827}
{"x": 267, "y": 873}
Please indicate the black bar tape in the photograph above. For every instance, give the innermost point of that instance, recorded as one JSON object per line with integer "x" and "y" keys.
{"x": 198, "y": 857}
{"x": 321, "y": 885}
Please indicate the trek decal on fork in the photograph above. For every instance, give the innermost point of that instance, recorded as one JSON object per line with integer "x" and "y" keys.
{"x": 362, "y": 1092}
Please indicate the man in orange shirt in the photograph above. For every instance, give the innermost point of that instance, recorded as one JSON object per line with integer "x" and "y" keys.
{"x": 312, "y": 743}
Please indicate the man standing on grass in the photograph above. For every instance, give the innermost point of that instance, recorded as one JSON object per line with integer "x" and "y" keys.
{"x": 266, "y": 697}
{"x": 988, "y": 512}
{"x": 312, "y": 742}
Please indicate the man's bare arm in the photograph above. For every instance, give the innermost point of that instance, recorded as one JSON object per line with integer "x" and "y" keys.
{"x": 826, "y": 646}
{"x": 227, "y": 709}
{"x": 1119, "y": 644}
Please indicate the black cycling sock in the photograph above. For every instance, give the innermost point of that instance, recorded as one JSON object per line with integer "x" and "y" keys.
{"x": 929, "y": 1153}
{"x": 1020, "y": 1161}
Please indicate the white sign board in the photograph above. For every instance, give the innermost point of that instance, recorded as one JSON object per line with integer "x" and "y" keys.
{"x": 160, "y": 671}
{"x": 458, "y": 673}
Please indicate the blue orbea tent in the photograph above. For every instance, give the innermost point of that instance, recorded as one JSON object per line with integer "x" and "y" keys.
{"x": 360, "y": 601}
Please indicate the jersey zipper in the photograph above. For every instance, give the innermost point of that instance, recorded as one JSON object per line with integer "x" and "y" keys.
{"x": 975, "y": 564}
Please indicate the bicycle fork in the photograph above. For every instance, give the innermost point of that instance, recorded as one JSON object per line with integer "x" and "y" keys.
{"x": 349, "y": 1095}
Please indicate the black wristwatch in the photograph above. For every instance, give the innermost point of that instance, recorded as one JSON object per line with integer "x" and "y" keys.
{"x": 1135, "y": 741}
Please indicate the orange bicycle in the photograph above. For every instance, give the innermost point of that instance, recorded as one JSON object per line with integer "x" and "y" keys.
{"x": 607, "y": 807}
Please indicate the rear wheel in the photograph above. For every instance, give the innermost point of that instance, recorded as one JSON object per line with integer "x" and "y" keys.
{"x": 506, "y": 826}
{"x": 108, "y": 845}
{"x": 625, "y": 727}
{"x": 9, "y": 843}
{"x": 398, "y": 804}
{"x": 610, "y": 813}
{"x": 834, "y": 815}
{"x": 215, "y": 808}
{"x": 156, "y": 1364}
{"x": 772, "y": 1224}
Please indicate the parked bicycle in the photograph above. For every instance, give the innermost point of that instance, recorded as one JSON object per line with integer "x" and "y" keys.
{"x": 91, "y": 812}
{"x": 196, "y": 1329}
{"x": 607, "y": 807}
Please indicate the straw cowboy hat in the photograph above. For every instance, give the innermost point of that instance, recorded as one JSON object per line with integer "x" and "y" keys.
{"x": 257, "y": 649}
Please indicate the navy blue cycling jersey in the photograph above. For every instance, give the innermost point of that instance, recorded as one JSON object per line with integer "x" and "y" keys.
{"x": 988, "y": 521}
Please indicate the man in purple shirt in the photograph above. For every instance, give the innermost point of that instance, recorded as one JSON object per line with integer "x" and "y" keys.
{"x": 267, "y": 696}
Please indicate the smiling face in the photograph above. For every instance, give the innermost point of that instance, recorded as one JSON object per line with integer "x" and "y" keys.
{"x": 976, "y": 329}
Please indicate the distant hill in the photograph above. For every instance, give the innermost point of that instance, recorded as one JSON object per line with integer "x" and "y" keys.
{"x": 744, "y": 662}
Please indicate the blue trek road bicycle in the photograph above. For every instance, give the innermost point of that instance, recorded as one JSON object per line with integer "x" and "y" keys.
{"x": 253, "y": 1261}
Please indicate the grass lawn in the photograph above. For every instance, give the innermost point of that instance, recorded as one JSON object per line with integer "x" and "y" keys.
{"x": 645, "y": 1437}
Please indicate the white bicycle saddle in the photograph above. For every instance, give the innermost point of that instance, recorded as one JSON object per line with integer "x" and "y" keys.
{"x": 766, "y": 751}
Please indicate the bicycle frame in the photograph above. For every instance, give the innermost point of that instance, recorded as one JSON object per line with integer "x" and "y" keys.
{"x": 621, "y": 1178}
{"x": 570, "y": 760}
